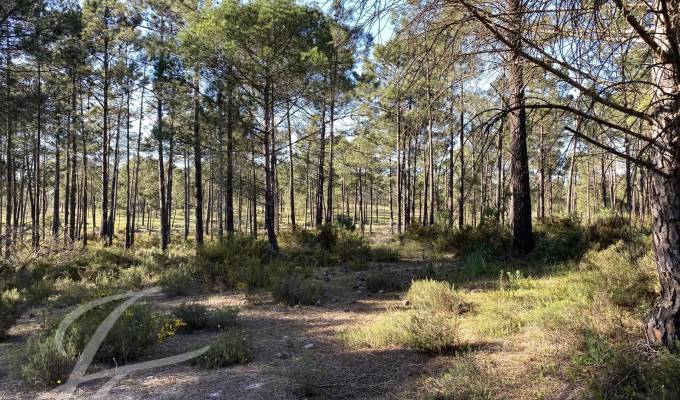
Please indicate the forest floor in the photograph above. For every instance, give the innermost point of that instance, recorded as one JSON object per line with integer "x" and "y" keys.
{"x": 284, "y": 337}
{"x": 280, "y": 335}
{"x": 562, "y": 324}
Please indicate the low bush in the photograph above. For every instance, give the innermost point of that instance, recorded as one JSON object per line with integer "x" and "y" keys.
{"x": 621, "y": 373}
{"x": 239, "y": 261}
{"x": 137, "y": 329}
{"x": 293, "y": 290}
{"x": 39, "y": 365}
{"x": 305, "y": 376}
{"x": 609, "y": 229}
{"x": 559, "y": 239}
{"x": 180, "y": 281}
{"x": 196, "y": 316}
{"x": 626, "y": 275}
{"x": 464, "y": 380}
{"x": 426, "y": 331}
{"x": 10, "y": 310}
{"x": 433, "y": 296}
{"x": 384, "y": 282}
{"x": 228, "y": 349}
{"x": 494, "y": 239}
{"x": 384, "y": 254}
{"x": 344, "y": 221}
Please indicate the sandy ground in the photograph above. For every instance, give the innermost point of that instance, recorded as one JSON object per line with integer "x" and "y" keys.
{"x": 280, "y": 335}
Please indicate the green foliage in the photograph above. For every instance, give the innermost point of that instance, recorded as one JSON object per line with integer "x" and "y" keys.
{"x": 137, "y": 329}
{"x": 423, "y": 330}
{"x": 195, "y": 316}
{"x": 38, "y": 364}
{"x": 609, "y": 229}
{"x": 618, "y": 373}
{"x": 179, "y": 281}
{"x": 491, "y": 238}
{"x": 432, "y": 295}
{"x": 463, "y": 381}
{"x": 625, "y": 273}
{"x": 305, "y": 376}
{"x": 559, "y": 239}
{"x": 293, "y": 290}
{"x": 10, "y": 309}
{"x": 384, "y": 282}
{"x": 239, "y": 261}
{"x": 510, "y": 280}
{"x": 228, "y": 349}
{"x": 345, "y": 222}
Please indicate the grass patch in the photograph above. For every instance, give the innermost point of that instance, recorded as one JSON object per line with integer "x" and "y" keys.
{"x": 195, "y": 316}
{"x": 435, "y": 296}
{"x": 385, "y": 282}
{"x": 305, "y": 376}
{"x": 293, "y": 291}
{"x": 229, "y": 348}
{"x": 414, "y": 329}
{"x": 38, "y": 364}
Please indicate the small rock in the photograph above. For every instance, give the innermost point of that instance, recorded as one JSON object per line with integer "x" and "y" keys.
{"x": 309, "y": 346}
{"x": 215, "y": 395}
{"x": 355, "y": 287}
{"x": 282, "y": 356}
{"x": 381, "y": 291}
{"x": 407, "y": 303}
{"x": 358, "y": 291}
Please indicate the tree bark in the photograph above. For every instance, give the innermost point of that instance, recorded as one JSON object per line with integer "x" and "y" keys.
{"x": 663, "y": 325}
{"x": 523, "y": 240}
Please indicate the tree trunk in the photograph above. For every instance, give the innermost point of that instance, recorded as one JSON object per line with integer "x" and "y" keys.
{"x": 320, "y": 175}
{"x": 291, "y": 189}
{"x": 270, "y": 159}
{"x": 523, "y": 240}
{"x": 229, "y": 189}
{"x": 461, "y": 193}
{"x": 663, "y": 325}
{"x": 138, "y": 160}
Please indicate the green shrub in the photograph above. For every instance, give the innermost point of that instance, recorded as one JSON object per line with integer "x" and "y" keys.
{"x": 352, "y": 247}
{"x": 384, "y": 282}
{"x": 422, "y": 330}
{"x": 619, "y": 373}
{"x": 434, "y": 271}
{"x": 180, "y": 281}
{"x": 293, "y": 290}
{"x": 239, "y": 261}
{"x": 560, "y": 239}
{"x": 12, "y": 304}
{"x": 464, "y": 380}
{"x": 494, "y": 239}
{"x": 345, "y": 222}
{"x": 38, "y": 364}
{"x": 384, "y": 254}
{"x": 305, "y": 376}
{"x": 433, "y": 296}
{"x": 228, "y": 349}
{"x": 423, "y": 233}
{"x": 627, "y": 277}
{"x": 137, "y": 329}
{"x": 609, "y": 229}
{"x": 196, "y": 316}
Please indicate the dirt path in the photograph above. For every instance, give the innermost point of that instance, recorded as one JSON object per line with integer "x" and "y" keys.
{"x": 280, "y": 335}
